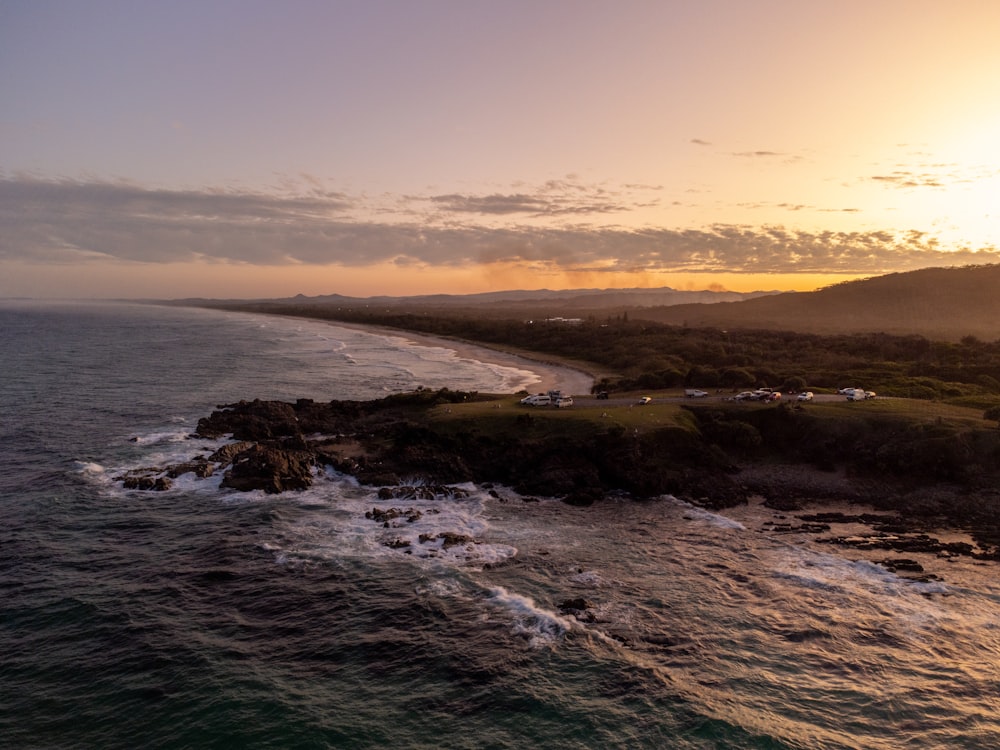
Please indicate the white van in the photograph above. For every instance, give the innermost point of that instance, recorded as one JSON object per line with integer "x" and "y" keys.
{"x": 541, "y": 399}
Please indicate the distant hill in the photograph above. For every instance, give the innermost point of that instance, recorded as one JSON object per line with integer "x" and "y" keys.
{"x": 939, "y": 303}
{"x": 582, "y": 299}
{"x": 518, "y": 302}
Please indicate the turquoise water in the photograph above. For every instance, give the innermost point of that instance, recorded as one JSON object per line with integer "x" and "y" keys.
{"x": 199, "y": 617}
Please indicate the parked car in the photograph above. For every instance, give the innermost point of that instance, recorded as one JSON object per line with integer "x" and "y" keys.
{"x": 603, "y": 395}
{"x": 695, "y": 393}
{"x": 564, "y": 401}
{"x": 539, "y": 399}
{"x": 860, "y": 394}
{"x": 745, "y": 396}
{"x": 805, "y": 396}
{"x": 846, "y": 391}
{"x": 644, "y": 400}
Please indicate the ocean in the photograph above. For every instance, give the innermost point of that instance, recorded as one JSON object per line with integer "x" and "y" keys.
{"x": 199, "y": 617}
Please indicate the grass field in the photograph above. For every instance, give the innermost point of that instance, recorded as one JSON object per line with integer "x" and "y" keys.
{"x": 505, "y": 414}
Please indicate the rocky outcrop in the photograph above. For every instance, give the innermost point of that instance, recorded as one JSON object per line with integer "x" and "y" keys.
{"x": 251, "y": 420}
{"x": 391, "y": 443}
{"x": 397, "y": 445}
{"x": 579, "y": 608}
{"x": 420, "y": 492}
{"x": 145, "y": 482}
{"x": 270, "y": 468}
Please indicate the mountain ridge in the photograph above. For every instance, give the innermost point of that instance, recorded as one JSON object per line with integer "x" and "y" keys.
{"x": 944, "y": 303}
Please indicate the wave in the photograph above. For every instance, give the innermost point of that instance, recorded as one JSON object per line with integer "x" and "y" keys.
{"x": 693, "y": 512}
{"x": 171, "y": 436}
{"x": 540, "y": 626}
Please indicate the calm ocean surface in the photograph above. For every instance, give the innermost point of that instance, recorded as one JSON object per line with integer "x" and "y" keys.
{"x": 203, "y": 618}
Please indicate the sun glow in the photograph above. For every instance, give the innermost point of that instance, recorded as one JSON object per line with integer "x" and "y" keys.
{"x": 957, "y": 187}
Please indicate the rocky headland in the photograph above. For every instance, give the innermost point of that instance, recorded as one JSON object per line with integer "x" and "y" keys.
{"x": 393, "y": 445}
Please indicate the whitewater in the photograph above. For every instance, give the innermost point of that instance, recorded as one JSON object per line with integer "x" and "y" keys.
{"x": 203, "y": 617}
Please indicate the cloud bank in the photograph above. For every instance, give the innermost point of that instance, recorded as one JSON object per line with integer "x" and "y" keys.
{"x": 61, "y": 222}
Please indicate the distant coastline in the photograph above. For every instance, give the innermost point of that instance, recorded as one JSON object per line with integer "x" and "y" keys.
{"x": 553, "y": 373}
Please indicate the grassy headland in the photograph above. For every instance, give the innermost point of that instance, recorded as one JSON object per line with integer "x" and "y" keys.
{"x": 923, "y": 448}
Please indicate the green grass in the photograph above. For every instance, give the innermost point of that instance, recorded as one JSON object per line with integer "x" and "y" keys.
{"x": 909, "y": 409}
{"x": 504, "y": 414}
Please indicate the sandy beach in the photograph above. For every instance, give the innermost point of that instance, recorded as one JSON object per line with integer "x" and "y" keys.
{"x": 552, "y": 375}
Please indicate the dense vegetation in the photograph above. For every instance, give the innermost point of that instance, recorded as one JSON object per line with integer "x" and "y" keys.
{"x": 646, "y": 355}
{"x": 940, "y": 303}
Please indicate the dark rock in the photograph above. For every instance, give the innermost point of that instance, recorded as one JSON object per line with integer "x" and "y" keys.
{"x": 226, "y": 453}
{"x": 583, "y": 498}
{"x": 421, "y": 492}
{"x": 894, "y": 564}
{"x": 448, "y": 539}
{"x": 270, "y": 469}
{"x": 577, "y": 604}
{"x": 251, "y": 420}
{"x": 200, "y": 469}
{"x": 808, "y": 634}
{"x": 386, "y": 516}
{"x": 148, "y": 483}
{"x": 580, "y": 608}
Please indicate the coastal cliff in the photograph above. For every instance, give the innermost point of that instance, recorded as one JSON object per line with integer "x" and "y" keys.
{"x": 713, "y": 456}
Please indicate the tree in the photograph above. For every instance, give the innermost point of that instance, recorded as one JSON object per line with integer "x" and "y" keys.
{"x": 703, "y": 376}
{"x": 737, "y": 377}
{"x": 795, "y": 384}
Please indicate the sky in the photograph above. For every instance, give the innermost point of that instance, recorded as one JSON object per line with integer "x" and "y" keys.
{"x": 266, "y": 149}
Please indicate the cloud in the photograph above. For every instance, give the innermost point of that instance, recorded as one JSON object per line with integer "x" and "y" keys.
{"x": 553, "y": 198}
{"x": 901, "y": 179}
{"x": 491, "y": 204}
{"x": 758, "y": 154}
{"x": 935, "y": 175}
{"x": 77, "y": 222}
{"x": 531, "y": 205}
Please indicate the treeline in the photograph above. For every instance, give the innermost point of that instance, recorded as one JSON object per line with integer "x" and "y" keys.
{"x": 650, "y": 355}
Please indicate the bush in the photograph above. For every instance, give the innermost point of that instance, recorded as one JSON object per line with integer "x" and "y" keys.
{"x": 733, "y": 434}
{"x": 794, "y": 384}
{"x": 989, "y": 383}
{"x": 737, "y": 377}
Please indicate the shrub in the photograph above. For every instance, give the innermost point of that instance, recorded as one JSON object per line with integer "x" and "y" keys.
{"x": 794, "y": 384}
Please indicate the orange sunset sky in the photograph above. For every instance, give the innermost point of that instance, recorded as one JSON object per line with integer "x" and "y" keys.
{"x": 261, "y": 149}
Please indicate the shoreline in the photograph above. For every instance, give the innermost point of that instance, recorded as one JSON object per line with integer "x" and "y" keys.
{"x": 551, "y": 373}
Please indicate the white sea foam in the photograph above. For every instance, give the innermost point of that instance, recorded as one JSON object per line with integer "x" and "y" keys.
{"x": 587, "y": 578}
{"x": 864, "y": 586}
{"x": 163, "y": 436}
{"x": 540, "y": 626}
{"x": 700, "y": 514}
{"x": 89, "y": 467}
{"x": 341, "y": 518}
